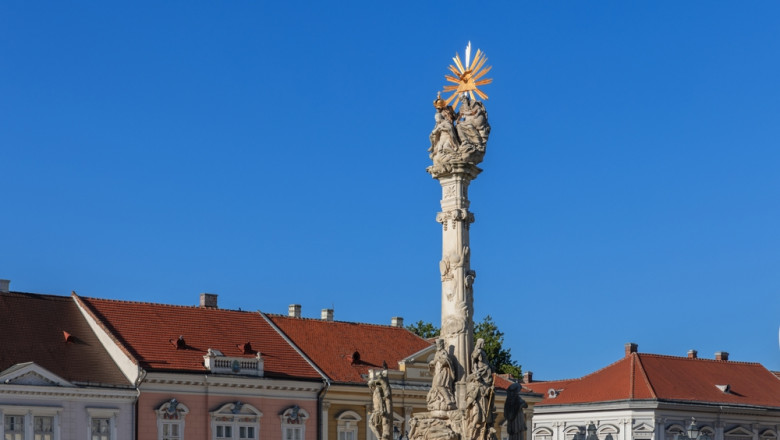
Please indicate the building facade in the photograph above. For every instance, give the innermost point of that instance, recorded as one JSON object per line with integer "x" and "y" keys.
{"x": 656, "y": 397}
{"x": 57, "y": 382}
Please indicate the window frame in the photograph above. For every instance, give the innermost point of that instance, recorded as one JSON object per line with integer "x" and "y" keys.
{"x": 166, "y": 416}
{"x": 290, "y": 421}
{"x": 235, "y": 415}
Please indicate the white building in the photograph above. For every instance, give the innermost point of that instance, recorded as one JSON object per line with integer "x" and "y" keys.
{"x": 657, "y": 397}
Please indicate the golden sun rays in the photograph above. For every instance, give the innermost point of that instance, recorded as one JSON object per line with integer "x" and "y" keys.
{"x": 467, "y": 76}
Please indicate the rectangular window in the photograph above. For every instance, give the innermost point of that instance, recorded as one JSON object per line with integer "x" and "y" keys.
{"x": 293, "y": 433}
{"x": 224, "y": 432}
{"x": 246, "y": 432}
{"x": 171, "y": 431}
{"x": 347, "y": 435}
{"x": 101, "y": 429}
{"x": 14, "y": 428}
{"x": 43, "y": 428}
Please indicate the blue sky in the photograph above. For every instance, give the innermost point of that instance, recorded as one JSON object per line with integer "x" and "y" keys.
{"x": 275, "y": 153}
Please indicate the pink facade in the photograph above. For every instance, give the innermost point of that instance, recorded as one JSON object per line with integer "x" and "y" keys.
{"x": 198, "y": 421}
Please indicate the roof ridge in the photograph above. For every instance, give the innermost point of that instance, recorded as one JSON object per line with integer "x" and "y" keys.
{"x": 180, "y": 306}
{"x": 646, "y": 378}
{"x": 50, "y": 295}
{"x": 697, "y": 359}
{"x": 335, "y": 321}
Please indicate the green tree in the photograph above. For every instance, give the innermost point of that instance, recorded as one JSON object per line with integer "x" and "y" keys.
{"x": 499, "y": 358}
{"x": 423, "y": 329}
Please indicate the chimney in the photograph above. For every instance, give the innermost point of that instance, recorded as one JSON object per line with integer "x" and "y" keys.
{"x": 528, "y": 376}
{"x": 631, "y": 348}
{"x": 4, "y": 286}
{"x": 294, "y": 311}
{"x": 692, "y": 354}
{"x": 208, "y": 300}
{"x": 721, "y": 355}
{"x": 327, "y": 314}
{"x": 397, "y": 321}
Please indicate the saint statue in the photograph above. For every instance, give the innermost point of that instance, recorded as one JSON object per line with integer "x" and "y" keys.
{"x": 441, "y": 397}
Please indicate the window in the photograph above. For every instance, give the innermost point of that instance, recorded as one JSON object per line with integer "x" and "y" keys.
{"x": 294, "y": 423}
{"x": 102, "y": 423}
{"x": 171, "y": 430}
{"x": 236, "y": 421}
{"x": 14, "y": 428}
{"x": 347, "y": 427}
{"x": 170, "y": 420}
{"x": 43, "y": 427}
{"x": 100, "y": 429}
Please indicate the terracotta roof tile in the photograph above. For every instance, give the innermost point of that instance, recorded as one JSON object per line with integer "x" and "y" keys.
{"x": 652, "y": 376}
{"x": 149, "y": 333}
{"x": 332, "y": 345}
{"x": 33, "y": 330}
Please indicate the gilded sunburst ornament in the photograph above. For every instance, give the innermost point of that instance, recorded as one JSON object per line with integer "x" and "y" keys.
{"x": 468, "y": 74}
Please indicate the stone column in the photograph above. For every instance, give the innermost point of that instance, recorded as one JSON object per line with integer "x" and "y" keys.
{"x": 457, "y": 299}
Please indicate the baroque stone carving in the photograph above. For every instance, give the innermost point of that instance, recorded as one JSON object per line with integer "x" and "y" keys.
{"x": 441, "y": 396}
{"x": 480, "y": 397}
{"x": 455, "y": 215}
{"x": 381, "y": 418}
{"x": 456, "y": 323}
{"x": 513, "y": 413}
{"x": 458, "y": 137}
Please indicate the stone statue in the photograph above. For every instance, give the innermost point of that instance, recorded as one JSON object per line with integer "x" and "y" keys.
{"x": 480, "y": 396}
{"x": 479, "y": 364}
{"x": 381, "y": 418}
{"x": 458, "y": 137}
{"x": 513, "y": 413}
{"x": 473, "y": 128}
{"x": 441, "y": 396}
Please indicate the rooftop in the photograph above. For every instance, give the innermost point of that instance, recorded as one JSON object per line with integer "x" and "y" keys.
{"x": 667, "y": 378}
{"x": 162, "y": 337}
{"x": 51, "y": 331}
{"x": 345, "y": 351}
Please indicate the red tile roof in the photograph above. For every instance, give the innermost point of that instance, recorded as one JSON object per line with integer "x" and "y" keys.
{"x": 332, "y": 345}
{"x": 652, "y": 376}
{"x": 149, "y": 334}
{"x": 51, "y": 331}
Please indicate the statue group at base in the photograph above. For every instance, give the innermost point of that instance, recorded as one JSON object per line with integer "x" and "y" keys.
{"x": 444, "y": 420}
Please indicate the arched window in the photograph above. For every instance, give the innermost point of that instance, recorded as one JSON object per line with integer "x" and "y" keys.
{"x": 768, "y": 434}
{"x": 608, "y": 432}
{"x": 170, "y": 420}
{"x": 235, "y": 421}
{"x": 542, "y": 434}
{"x": 574, "y": 433}
{"x": 348, "y": 425}
{"x": 294, "y": 423}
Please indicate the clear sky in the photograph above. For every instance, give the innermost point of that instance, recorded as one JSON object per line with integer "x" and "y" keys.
{"x": 275, "y": 153}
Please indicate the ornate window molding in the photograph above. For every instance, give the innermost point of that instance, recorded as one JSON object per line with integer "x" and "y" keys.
{"x": 294, "y": 423}
{"x": 348, "y": 425}
{"x": 542, "y": 434}
{"x": 170, "y": 420}
{"x": 235, "y": 420}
